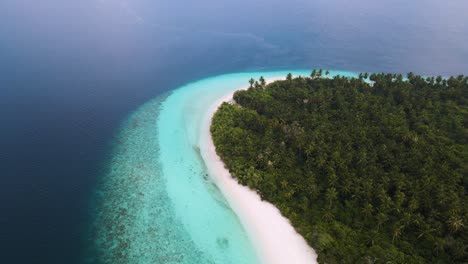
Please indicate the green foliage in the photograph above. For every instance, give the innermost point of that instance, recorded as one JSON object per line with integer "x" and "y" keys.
{"x": 366, "y": 172}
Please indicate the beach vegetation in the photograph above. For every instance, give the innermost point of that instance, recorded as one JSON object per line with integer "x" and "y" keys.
{"x": 372, "y": 169}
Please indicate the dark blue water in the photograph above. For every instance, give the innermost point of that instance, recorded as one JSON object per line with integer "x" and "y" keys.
{"x": 70, "y": 71}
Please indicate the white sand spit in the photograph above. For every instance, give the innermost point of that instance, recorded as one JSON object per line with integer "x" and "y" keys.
{"x": 272, "y": 234}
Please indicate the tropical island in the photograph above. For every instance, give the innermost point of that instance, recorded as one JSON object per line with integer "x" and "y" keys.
{"x": 368, "y": 170}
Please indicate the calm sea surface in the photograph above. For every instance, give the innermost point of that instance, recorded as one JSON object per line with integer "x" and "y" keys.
{"x": 72, "y": 71}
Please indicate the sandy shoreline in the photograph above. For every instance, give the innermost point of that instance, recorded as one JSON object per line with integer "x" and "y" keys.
{"x": 272, "y": 235}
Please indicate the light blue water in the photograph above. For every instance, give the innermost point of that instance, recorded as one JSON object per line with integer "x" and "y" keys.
{"x": 158, "y": 204}
{"x": 134, "y": 222}
{"x": 71, "y": 71}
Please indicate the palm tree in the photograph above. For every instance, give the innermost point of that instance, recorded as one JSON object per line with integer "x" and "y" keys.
{"x": 439, "y": 245}
{"x": 347, "y": 187}
{"x": 455, "y": 223}
{"x": 262, "y": 81}
{"x": 256, "y": 85}
{"x": 327, "y": 72}
{"x": 459, "y": 249}
{"x": 381, "y": 219}
{"x": 312, "y": 75}
{"x": 367, "y": 210}
{"x": 370, "y": 260}
{"x": 289, "y": 77}
{"x": 251, "y": 81}
{"x": 284, "y": 184}
{"x": 425, "y": 231}
{"x": 397, "y": 233}
{"x": 328, "y": 216}
{"x": 331, "y": 196}
{"x": 399, "y": 77}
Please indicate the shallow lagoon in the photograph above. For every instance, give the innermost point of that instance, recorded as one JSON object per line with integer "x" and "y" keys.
{"x": 71, "y": 71}
{"x": 157, "y": 202}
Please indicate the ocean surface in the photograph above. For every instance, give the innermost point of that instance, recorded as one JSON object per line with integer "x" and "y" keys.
{"x": 82, "y": 81}
{"x": 157, "y": 203}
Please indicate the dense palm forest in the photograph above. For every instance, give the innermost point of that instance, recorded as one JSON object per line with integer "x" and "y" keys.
{"x": 369, "y": 170}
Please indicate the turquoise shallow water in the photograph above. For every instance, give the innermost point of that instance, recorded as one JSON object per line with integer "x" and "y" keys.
{"x": 156, "y": 203}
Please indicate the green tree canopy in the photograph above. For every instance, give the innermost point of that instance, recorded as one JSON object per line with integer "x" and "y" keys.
{"x": 364, "y": 171}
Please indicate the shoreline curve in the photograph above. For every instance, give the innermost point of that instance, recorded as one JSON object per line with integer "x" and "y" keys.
{"x": 272, "y": 235}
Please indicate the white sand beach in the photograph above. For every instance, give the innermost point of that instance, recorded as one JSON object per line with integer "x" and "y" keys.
{"x": 272, "y": 235}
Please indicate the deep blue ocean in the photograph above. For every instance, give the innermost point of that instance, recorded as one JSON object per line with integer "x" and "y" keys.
{"x": 72, "y": 71}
